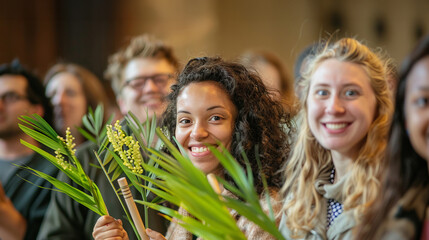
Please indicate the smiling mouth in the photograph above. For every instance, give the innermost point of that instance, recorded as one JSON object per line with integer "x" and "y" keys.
{"x": 335, "y": 126}
{"x": 199, "y": 149}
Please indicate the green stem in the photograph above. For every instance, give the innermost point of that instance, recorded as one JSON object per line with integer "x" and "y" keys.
{"x": 119, "y": 198}
{"x": 146, "y": 209}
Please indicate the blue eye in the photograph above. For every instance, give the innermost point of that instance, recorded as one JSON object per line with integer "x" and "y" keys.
{"x": 350, "y": 93}
{"x": 322, "y": 92}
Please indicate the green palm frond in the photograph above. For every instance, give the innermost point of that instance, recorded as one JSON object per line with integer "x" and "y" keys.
{"x": 94, "y": 127}
{"x": 171, "y": 177}
{"x": 93, "y": 121}
{"x": 182, "y": 184}
{"x": 65, "y": 160}
{"x": 114, "y": 154}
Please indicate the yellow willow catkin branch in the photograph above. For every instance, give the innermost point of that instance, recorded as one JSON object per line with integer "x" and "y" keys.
{"x": 68, "y": 142}
{"x": 126, "y": 147}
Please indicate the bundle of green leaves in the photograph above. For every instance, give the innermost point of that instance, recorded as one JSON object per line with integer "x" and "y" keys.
{"x": 171, "y": 176}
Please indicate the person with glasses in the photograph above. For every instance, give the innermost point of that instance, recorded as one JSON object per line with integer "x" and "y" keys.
{"x": 22, "y": 204}
{"x": 141, "y": 75}
{"x": 217, "y": 102}
{"x": 141, "y": 78}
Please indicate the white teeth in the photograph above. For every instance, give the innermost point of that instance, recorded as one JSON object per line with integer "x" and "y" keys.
{"x": 199, "y": 149}
{"x": 336, "y": 125}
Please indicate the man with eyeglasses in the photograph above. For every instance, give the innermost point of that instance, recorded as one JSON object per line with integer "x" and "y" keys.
{"x": 141, "y": 75}
{"x": 22, "y": 204}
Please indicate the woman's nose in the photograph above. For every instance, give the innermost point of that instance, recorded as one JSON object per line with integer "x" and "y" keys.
{"x": 335, "y": 105}
{"x": 199, "y": 132}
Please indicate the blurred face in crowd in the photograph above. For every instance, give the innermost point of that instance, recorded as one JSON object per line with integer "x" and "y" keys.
{"x": 417, "y": 107}
{"x": 205, "y": 116}
{"x": 147, "y": 82}
{"x": 341, "y": 106}
{"x": 270, "y": 76}
{"x": 68, "y": 99}
{"x": 14, "y": 103}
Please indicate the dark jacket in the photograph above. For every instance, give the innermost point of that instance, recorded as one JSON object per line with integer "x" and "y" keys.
{"x": 26, "y": 195}
{"x": 67, "y": 219}
{"x": 405, "y": 220}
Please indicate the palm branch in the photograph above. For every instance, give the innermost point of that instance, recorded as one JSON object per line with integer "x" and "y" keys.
{"x": 65, "y": 160}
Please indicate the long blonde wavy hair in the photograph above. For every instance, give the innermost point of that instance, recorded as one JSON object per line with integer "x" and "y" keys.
{"x": 309, "y": 158}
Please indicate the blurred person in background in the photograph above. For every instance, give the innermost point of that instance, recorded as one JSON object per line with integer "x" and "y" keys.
{"x": 141, "y": 75}
{"x": 73, "y": 89}
{"x": 402, "y": 211}
{"x": 274, "y": 75}
{"x": 23, "y": 199}
{"x": 301, "y": 64}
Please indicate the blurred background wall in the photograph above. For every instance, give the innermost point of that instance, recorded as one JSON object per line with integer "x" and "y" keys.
{"x": 41, "y": 32}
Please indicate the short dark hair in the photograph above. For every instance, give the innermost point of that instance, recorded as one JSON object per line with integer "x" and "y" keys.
{"x": 35, "y": 89}
{"x": 261, "y": 121}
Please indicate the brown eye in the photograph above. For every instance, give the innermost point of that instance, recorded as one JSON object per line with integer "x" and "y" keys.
{"x": 184, "y": 121}
{"x": 421, "y": 102}
{"x": 215, "y": 118}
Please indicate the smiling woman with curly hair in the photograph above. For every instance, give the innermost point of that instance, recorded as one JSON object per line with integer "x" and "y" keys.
{"x": 216, "y": 103}
{"x": 260, "y": 123}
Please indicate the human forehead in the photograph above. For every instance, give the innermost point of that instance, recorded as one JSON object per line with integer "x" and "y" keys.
{"x": 419, "y": 75}
{"x": 146, "y": 67}
{"x": 63, "y": 80}
{"x": 9, "y": 82}
{"x": 206, "y": 92}
{"x": 333, "y": 72}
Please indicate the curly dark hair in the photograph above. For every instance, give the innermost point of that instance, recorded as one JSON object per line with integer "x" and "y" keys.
{"x": 261, "y": 125}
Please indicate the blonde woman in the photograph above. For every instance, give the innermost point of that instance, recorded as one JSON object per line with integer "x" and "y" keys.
{"x": 332, "y": 175}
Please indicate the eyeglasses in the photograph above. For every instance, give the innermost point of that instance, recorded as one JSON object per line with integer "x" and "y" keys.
{"x": 160, "y": 80}
{"x": 11, "y": 97}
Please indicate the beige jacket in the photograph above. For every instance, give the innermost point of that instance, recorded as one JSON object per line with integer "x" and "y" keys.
{"x": 342, "y": 226}
{"x": 250, "y": 230}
